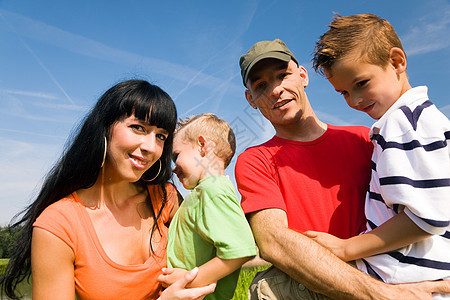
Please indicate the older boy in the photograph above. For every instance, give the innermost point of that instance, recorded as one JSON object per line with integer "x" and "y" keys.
{"x": 209, "y": 229}
{"x": 407, "y": 206}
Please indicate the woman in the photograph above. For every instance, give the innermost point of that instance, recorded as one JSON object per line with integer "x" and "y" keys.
{"x": 99, "y": 224}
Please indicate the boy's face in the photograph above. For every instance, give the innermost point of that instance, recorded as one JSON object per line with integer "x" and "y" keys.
{"x": 187, "y": 159}
{"x": 366, "y": 87}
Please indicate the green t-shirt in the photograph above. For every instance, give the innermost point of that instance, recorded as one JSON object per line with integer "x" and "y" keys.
{"x": 209, "y": 223}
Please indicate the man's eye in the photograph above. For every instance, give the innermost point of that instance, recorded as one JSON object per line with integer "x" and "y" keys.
{"x": 282, "y": 75}
{"x": 260, "y": 86}
{"x": 343, "y": 93}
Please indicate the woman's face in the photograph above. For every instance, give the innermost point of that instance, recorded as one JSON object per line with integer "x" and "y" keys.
{"x": 133, "y": 148}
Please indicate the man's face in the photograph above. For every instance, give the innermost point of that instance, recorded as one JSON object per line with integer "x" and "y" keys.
{"x": 276, "y": 88}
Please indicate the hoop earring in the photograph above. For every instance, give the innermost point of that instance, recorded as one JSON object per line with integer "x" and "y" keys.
{"x": 159, "y": 170}
{"x": 104, "y": 153}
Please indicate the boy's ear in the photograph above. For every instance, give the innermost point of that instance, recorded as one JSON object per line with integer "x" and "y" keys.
{"x": 398, "y": 59}
{"x": 249, "y": 97}
{"x": 205, "y": 145}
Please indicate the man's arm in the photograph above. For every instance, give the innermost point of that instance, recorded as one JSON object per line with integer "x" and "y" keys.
{"x": 321, "y": 271}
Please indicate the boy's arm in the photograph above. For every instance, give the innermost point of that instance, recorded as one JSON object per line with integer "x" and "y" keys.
{"x": 209, "y": 272}
{"x": 216, "y": 269}
{"x": 397, "y": 232}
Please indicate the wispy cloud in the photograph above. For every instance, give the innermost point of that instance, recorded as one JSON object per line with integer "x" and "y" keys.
{"x": 61, "y": 106}
{"x": 22, "y": 132}
{"x": 327, "y": 118}
{"x": 429, "y": 33}
{"x": 38, "y": 60}
{"x": 28, "y": 93}
{"x": 51, "y": 35}
{"x": 27, "y": 161}
{"x": 44, "y": 96}
{"x": 445, "y": 110}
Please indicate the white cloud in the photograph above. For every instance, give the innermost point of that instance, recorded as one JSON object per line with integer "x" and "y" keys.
{"x": 51, "y": 35}
{"x": 429, "y": 33}
{"x": 29, "y": 93}
{"x": 23, "y": 166}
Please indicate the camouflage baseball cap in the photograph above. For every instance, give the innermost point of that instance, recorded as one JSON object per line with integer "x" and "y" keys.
{"x": 261, "y": 50}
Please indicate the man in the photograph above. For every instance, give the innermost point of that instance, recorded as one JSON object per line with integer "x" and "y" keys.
{"x": 310, "y": 176}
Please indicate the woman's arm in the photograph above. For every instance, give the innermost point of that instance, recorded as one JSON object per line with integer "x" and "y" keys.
{"x": 51, "y": 266}
{"x": 209, "y": 272}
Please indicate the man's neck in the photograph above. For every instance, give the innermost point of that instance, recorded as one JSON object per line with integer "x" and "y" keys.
{"x": 305, "y": 130}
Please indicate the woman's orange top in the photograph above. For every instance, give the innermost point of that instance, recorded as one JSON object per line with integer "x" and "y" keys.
{"x": 96, "y": 275}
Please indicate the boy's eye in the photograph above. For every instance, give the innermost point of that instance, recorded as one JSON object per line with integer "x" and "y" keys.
{"x": 361, "y": 83}
{"x": 174, "y": 157}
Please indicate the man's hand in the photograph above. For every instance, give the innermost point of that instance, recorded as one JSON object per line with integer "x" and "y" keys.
{"x": 420, "y": 290}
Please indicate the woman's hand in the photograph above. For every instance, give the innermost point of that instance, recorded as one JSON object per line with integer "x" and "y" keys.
{"x": 170, "y": 275}
{"x": 179, "y": 291}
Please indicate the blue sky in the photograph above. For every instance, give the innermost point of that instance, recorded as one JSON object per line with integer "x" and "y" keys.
{"x": 58, "y": 57}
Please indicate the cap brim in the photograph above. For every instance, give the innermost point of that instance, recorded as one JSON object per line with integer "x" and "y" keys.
{"x": 277, "y": 55}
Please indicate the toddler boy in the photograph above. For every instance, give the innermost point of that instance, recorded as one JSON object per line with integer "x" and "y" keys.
{"x": 209, "y": 229}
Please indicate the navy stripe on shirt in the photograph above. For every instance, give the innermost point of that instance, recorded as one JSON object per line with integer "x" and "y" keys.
{"x": 371, "y": 271}
{"x": 436, "y": 223}
{"x": 372, "y": 225}
{"x": 423, "y": 262}
{"x": 376, "y": 196}
{"x": 446, "y": 235}
{"x": 410, "y": 145}
{"x": 413, "y": 116}
{"x": 424, "y": 184}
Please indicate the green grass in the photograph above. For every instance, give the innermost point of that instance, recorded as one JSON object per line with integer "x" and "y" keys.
{"x": 3, "y": 263}
{"x": 245, "y": 278}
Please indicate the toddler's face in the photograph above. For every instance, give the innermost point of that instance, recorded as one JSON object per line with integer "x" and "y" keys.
{"x": 366, "y": 87}
{"x": 187, "y": 159}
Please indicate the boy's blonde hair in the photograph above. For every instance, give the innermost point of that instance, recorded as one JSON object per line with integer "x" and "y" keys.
{"x": 369, "y": 34}
{"x": 210, "y": 126}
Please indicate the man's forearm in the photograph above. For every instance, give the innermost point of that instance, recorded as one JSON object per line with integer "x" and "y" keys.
{"x": 309, "y": 263}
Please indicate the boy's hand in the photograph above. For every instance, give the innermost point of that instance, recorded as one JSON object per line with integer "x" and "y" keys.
{"x": 332, "y": 243}
{"x": 170, "y": 275}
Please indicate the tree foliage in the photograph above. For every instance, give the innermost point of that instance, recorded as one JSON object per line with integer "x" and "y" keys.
{"x": 7, "y": 238}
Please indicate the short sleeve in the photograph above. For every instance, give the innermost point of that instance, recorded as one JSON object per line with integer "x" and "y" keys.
{"x": 414, "y": 171}
{"x": 58, "y": 220}
{"x": 257, "y": 181}
{"x": 222, "y": 222}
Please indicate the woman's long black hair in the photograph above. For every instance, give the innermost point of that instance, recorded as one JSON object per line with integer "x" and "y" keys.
{"x": 80, "y": 164}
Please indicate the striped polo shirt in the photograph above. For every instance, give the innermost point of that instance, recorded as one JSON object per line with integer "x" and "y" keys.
{"x": 411, "y": 173}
